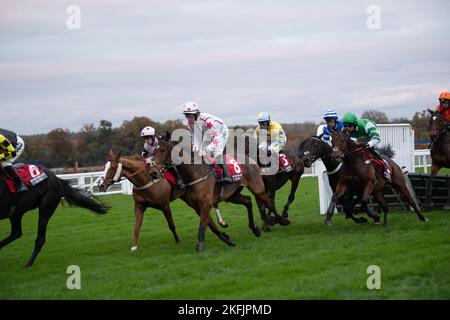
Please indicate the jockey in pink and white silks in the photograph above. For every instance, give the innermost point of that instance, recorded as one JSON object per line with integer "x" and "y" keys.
{"x": 207, "y": 129}
{"x": 150, "y": 145}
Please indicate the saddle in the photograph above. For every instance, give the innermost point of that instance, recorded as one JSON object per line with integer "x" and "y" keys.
{"x": 30, "y": 174}
{"x": 377, "y": 163}
{"x": 234, "y": 168}
{"x": 285, "y": 164}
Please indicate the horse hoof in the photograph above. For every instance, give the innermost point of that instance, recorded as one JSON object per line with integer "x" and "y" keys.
{"x": 225, "y": 236}
{"x": 134, "y": 248}
{"x": 256, "y": 232}
{"x": 328, "y": 223}
{"x": 224, "y": 224}
{"x": 200, "y": 246}
{"x": 284, "y": 222}
{"x": 361, "y": 220}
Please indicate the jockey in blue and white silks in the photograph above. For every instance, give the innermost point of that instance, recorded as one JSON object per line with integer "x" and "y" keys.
{"x": 333, "y": 124}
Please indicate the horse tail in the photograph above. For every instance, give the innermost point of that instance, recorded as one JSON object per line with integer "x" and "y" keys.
{"x": 386, "y": 150}
{"x": 76, "y": 198}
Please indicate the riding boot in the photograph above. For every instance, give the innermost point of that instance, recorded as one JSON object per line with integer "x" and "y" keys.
{"x": 386, "y": 168}
{"x": 20, "y": 186}
{"x": 226, "y": 178}
{"x": 178, "y": 179}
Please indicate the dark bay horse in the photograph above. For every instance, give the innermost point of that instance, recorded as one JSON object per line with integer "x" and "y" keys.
{"x": 202, "y": 193}
{"x": 315, "y": 148}
{"x": 359, "y": 172}
{"x": 147, "y": 192}
{"x": 46, "y": 196}
{"x": 274, "y": 182}
{"x": 440, "y": 150}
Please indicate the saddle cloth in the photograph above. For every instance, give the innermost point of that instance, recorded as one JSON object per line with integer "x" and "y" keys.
{"x": 30, "y": 174}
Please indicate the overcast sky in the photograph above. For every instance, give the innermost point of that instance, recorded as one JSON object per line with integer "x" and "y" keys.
{"x": 292, "y": 58}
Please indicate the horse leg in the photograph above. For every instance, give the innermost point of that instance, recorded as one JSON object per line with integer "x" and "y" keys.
{"x": 168, "y": 214}
{"x": 341, "y": 189}
{"x": 429, "y": 199}
{"x": 238, "y": 198}
{"x": 205, "y": 220}
{"x": 16, "y": 230}
{"x": 349, "y": 204}
{"x": 294, "y": 186}
{"x": 264, "y": 198}
{"x": 139, "y": 216}
{"x": 379, "y": 197}
{"x": 220, "y": 221}
{"x": 46, "y": 211}
{"x": 267, "y": 219}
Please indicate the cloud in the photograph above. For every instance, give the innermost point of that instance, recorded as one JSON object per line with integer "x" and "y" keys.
{"x": 235, "y": 58}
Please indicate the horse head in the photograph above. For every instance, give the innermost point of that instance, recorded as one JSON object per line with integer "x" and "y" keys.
{"x": 436, "y": 125}
{"x": 112, "y": 173}
{"x": 162, "y": 156}
{"x": 340, "y": 144}
{"x": 309, "y": 150}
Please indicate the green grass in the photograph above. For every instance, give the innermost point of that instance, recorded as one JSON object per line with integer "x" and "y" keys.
{"x": 442, "y": 171}
{"x": 304, "y": 260}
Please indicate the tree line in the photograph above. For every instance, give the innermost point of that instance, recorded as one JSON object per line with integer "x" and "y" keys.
{"x": 89, "y": 147}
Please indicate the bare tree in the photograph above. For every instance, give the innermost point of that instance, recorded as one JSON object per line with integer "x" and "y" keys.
{"x": 376, "y": 116}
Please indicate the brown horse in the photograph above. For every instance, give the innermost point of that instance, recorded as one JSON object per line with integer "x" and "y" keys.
{"x": 359, "y": 172}
{"x": 440, "y": 150}
{"x": 202, "y": 193}
{"x": 147, "y": 192}
{"x": 274, "y": 182}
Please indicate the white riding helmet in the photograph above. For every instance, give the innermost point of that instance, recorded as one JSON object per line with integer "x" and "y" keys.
{"x": 147, "y": 131}
{"x": 190, "y": 108}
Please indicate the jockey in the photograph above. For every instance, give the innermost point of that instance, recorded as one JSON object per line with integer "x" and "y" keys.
{"x": 214, "y": 131}
{"x": 444, "y": 107}
{"x": 150, "y": 145}
{"x": 273, "y": 130}
{"x": 11, "y": 147}
{"x": 365, "y": 128}
{"x": 333, "y": 124}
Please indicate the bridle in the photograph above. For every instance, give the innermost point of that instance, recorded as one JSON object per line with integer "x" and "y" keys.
{"x": 442, "y": 128}
{"x": 118, "y": 175}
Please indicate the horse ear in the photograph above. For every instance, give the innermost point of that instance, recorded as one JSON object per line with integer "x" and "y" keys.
{"x": 430, "y": 111}
{"x": 168, "y": 135}
{"x": 119, "y": 154}
{"x": 110, "y": 153}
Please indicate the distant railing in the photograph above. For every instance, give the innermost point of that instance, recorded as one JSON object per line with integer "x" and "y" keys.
{"x": 89, "y": 181}
{"x": 422, "y": 159}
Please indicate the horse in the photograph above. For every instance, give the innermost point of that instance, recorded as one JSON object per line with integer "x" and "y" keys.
{"x": 314, "y": 148}
{"x": 440, "y": 150}
{"x": 202, "y": 193}
{"x": 274, "y": 182}
{"x": 359, "y": 172}
{"x": 46, "y": 196}
{"x": 147, "y": 192}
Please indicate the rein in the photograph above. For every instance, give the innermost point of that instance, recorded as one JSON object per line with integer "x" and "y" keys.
{"x": 117, "y": 175}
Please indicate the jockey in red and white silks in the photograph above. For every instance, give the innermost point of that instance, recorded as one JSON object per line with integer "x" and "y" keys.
{"x": 207, "y": 129}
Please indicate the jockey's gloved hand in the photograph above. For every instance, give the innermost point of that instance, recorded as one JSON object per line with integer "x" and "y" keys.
{"x": 367, "y": 146}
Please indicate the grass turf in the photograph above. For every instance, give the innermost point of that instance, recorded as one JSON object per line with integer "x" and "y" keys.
{"x": 304, "y": 260}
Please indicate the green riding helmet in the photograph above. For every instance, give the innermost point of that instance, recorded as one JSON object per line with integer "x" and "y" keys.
{"x": 350, "y": 118}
